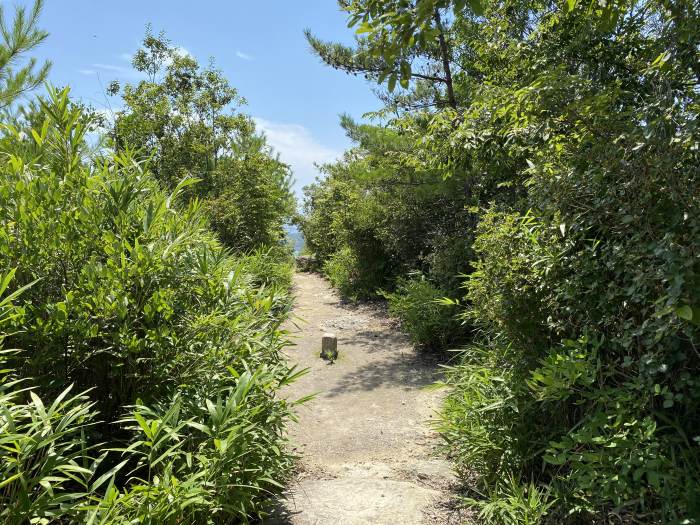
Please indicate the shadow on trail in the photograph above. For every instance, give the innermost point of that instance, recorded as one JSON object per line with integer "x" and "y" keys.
{"x": 374, "y": 341}
{"x": 411, "y": 372}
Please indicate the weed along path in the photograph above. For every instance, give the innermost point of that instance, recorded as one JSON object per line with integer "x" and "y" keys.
{"x": 368, "y": 454}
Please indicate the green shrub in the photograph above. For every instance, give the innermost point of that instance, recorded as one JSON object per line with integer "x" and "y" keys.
{"x": 619, "y": 402}
{"x": 424, "y": 316}
{"x": 134, "y": 301}
{"x": 341, "y": 270}
{"x": 353, "y": 275}
{"x": 45, "y": 462}
{"x": 450, "y": 258}
{"x": 45, "y": 466}
{"x": 270, "y": 266}
{"x": 486, "y": 420}
{"x": 511, "y": 503}
{"x": 205, "y": 459}
{"x": 377, "y": 216}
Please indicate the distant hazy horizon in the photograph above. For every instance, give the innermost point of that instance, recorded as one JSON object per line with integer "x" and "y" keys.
{"x": 296, "y": 237}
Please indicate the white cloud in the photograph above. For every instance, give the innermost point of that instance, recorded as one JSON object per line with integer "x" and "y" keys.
{"x": 125, "y": 72}
{"x": 111, "y": 67}
{"x": 244, "y": 56}
{"x": 109, "y": 113}
{"x": 183, "y": 52}
{"x": 298, "y": 148}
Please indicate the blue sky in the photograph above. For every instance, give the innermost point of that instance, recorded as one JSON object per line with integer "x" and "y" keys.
{"x": 259, "y": 44}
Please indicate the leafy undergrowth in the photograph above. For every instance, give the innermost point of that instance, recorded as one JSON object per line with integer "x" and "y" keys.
{"x": 429, "y": 320}
{"x": 545, "y": 177}
{"x": 143, "y": 390}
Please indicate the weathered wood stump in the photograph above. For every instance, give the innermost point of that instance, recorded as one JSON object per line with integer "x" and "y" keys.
{"x": 329, "y": 347}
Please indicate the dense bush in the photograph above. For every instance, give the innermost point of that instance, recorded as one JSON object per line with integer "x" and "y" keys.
{"x": 587, "y": 300}
{"x": 270, "y": 266}
{"x": 250, "y": 201}
{"x": 133, "y": 301}
{"x": 349, "y": 273}
{"x": 567, "y": 133}
{"x": 45, "y": 463}
{"x": 620, "y": 405}
{"x": 425, "y": 317}
{"x": 374, "y": 220}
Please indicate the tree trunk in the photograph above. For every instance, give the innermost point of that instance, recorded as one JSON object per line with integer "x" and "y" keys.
{"x": 445, "y": 52}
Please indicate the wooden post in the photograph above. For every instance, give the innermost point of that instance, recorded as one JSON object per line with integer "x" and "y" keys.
{"x": 329, "y": 347}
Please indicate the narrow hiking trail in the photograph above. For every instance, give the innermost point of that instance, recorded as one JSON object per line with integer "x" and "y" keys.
{"x": 368, "y": 453}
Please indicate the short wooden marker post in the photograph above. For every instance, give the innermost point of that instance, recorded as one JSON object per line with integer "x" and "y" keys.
{"x": 329, "y": 347}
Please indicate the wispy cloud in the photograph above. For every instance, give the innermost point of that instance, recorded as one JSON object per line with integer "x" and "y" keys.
{"x": 114, "y": 68}
{"x": 244, "y": 56}
{"x": 298, "y": 148}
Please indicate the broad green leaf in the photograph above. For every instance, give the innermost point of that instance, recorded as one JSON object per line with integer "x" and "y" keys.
{"x": 392, "y": 82}
{"x": 477, "y": 7}
{"x": 685, "y": 312}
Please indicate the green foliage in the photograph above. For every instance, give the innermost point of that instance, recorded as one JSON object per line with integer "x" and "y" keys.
{"x": 481, "y": 421}
{"x": 250, "y": 201}
{"x": 511, "y": 503}
{"x": 127, "y": 296}
{"x": 203, "y": 460}
{"x": 272, "y": 267}
{"x": 401, "y": 44}
{"x": 505, "y": 289}
{"x": 569, "y": 164}
{"x": 374, "y": 218}
{"x": 183, "y": 119}
{"x": 351, "y": 275}
{"x": 17, "y": 75}
{"x": 44, "y": 463}
{"x": 44, "y": 467}
{"x": 427, "y": 319}
{"x": 585, "y": 289}
{"x": 394, "y": 33}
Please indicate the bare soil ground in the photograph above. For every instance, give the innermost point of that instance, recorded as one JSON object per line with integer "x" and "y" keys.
{"x": 368, "y": 453}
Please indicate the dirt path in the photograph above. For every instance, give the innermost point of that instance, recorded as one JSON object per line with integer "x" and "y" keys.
{"x": 368, "y": 454}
